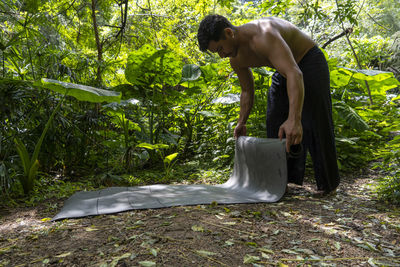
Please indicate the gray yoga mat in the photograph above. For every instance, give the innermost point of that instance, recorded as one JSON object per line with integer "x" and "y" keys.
{"x": 259, "y": 175}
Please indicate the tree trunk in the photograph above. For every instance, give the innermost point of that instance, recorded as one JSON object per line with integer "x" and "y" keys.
{"x": 99, "y": 80}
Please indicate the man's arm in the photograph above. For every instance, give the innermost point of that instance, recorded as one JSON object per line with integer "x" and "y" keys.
{"x": 246, "y": 98}
{"x": 279, "y": 54}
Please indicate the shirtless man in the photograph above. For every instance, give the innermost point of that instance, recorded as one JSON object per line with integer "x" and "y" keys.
{"x": 301, "y": 79}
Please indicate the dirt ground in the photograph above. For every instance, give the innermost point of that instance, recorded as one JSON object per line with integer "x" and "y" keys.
{"x": 350, "y": 228}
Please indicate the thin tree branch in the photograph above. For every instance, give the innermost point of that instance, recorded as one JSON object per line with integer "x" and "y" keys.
{"x": 98, "y": 43}
{"x": 152, "y": 22}
{"x": 373, "y": 19}
{"x": 153, "y": 15}
{"x": 345, "y": 32}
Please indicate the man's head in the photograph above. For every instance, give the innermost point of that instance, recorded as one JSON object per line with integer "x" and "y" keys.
{"x": 213, "y": 28}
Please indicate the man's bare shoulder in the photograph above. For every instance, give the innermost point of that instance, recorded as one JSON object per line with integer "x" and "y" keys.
{"x": 257, "y": 31}
{"x": 268, "y": 33}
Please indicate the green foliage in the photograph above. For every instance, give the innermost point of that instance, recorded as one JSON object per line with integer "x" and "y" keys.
{"x": 148, "y": 66}
{"x": 275, "y": 8}
{"x": 119, "y": 115}
{"x": 155, "y": 72}
{"x": 389, "y": 185}
{"x": 167, "y": 160}
{"x": 350, "y": 116}
{"x": 358, "y": 136}
{"x": 379, "y": 81}
{"x": 30, "y": 164}
{"x": 346, "y": 11}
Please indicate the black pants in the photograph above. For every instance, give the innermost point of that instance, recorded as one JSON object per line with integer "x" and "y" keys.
{"x": 318, "y": 130}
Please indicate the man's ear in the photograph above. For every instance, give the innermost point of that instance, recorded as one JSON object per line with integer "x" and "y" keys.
{"x": 229, "y": 32}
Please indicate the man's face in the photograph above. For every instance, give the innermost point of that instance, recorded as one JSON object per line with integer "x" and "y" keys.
{"x": 225, "y": 47}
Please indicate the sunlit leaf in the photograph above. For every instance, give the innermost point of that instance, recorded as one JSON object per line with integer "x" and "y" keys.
{"x": 351, "y": 141}
{"x": 379, "y": 81}
{"x": 208, "y": 113}
{"x": 91, "y": 229}
{"x": 197, "y": 228}
{"x": 289, "y": 251}
{"x": 64, "y": 255}
{"x": 117, "y": 259}
{"x": 5, "y": 249}
{"x": 146, "y": 145}
{"x": 303, "y": 250}
{"x": 205, "y": 253}
{"x": 170, "y": 157}
{"x": 248, "y": 259}
{"x": 229, "y": 243}
{"x": 227, "y": 99}
{"x": 81, "y": 92}
{"x": 263, "y": 72}
{"x": 147, "y": 263}
{"x": 161, "y": 146}
{"x": 154, "y": 252}
{"x": 266, "y": 250}
{"x": 123, "y": 103}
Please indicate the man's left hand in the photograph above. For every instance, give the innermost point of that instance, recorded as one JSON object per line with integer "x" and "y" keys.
{"x": 293, "y": 131}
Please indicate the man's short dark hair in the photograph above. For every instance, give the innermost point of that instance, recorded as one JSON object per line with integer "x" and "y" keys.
{"x": 211, "y": 28}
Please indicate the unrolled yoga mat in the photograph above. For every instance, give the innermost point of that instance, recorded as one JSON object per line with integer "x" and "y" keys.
{"x": 259, "y": 175}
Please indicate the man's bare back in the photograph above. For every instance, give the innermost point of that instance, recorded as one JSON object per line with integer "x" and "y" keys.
{"x": 251, "y": 33}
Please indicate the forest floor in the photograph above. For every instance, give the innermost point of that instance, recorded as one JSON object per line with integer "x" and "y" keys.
{"x": 350, "y": 228}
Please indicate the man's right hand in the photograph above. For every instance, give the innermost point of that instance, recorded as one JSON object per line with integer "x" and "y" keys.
{"x": 240, "y": 130}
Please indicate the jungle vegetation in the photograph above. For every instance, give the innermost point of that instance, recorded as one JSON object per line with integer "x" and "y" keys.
{"x": 116, "y": 92}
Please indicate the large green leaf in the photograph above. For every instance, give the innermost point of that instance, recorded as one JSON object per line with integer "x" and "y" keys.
{"x": 350, "y": 116}
{"x": 149, "y": 65}
{"x": 227, "y": 99}
{"x": 190, "y": 72}
{"x": 379, "y": 81}
{"x": 208, "y": 114}
{"x": 263, "y": 72}
{"x": 118, "y": 107}
{"x": 146, "y": 145}
{"x": 81, "y": 92}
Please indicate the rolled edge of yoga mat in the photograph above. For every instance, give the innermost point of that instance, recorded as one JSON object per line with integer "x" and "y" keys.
{"x": 260, "y": 168}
